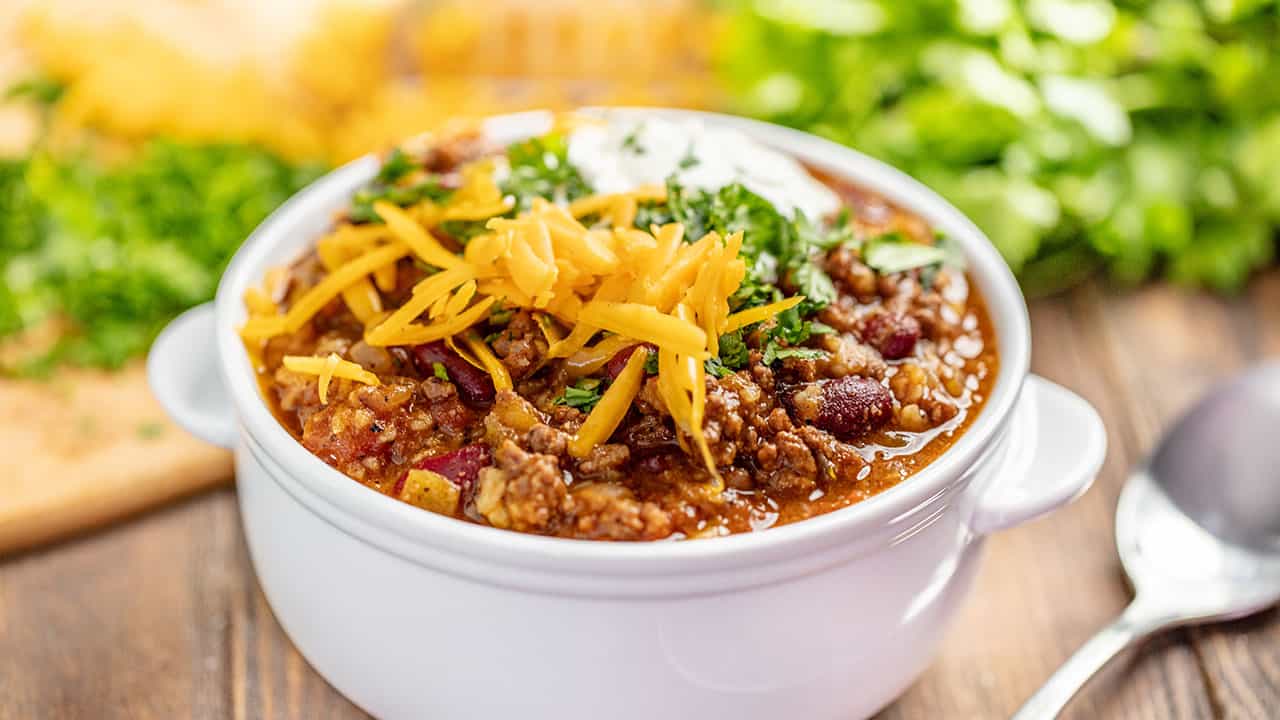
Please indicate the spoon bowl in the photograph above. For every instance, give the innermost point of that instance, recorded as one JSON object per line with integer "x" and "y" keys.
{"x": 1197, "y": 529}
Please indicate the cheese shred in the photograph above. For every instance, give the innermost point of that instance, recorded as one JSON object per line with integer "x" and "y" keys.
{"x": 328, "y": 368}
{"x": 582, "y": 266}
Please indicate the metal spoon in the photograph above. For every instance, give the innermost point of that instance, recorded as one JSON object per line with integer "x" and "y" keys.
{"x": 1197, "y": 528}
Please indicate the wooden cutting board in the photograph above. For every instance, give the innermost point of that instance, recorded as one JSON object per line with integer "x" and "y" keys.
{"x": 87, "y": 447}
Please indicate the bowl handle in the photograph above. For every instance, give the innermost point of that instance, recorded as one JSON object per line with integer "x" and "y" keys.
{"x": 1057, "y": 446}
{"x": 182, "y": 369}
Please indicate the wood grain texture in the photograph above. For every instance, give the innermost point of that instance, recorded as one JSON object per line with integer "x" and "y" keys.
{"x": 162, "y": 617}
{"x": 87, "y": 447}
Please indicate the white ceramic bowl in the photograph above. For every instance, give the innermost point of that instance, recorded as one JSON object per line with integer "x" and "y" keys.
{"x": 415, "y": 615}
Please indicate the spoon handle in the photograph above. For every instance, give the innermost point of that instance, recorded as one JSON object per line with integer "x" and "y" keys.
{"x": 1133, "y": 625}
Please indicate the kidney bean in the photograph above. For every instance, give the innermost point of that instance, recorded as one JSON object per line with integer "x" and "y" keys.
{"x": 475, "y": 387}
{"x": 852, "y": 406}
{"x": 619, "y": 360}
{"x": 460, "y": 466}
{"x": 894, "y": 335}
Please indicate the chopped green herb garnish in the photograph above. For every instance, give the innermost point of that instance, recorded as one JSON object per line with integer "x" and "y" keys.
{"x": 540, "y": 168}
{"x": 114, "y": 252}
{"x": 440, "y": 371}
{"x": 501, "y": 313}
{"x": 689, "y": 160}
{"x": 734, "y": 353}
{"x": 774, "y": 352}
{"x": 362, "y": 203}
{"x": 893, "y": 253}
{"x": 582, "y": 395}
{"x": 397, "y": 165}
{"x": 632, "y": 142}
{"x": 651, "y": 364}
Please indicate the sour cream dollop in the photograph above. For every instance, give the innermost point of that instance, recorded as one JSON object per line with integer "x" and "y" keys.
{"x": 619, "y": 156}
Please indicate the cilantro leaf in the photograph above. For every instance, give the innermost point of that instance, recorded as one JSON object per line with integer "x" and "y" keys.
{"x": 774, "y": 352}
{"x": 397, "y": 165}
{"x": 651, "y": 364}
{"x": 631, "y": 142}
{"x": 362, "y": 203}
{"x": 893, "y": 253}
{"x": 734, "y": 355}
{"x": 734, "y": 352}
{"x": 440, "y": 371}
{"x": 583, "y": 394}
{"x": 113, "y": 252}
{"x": 540, "y": 167}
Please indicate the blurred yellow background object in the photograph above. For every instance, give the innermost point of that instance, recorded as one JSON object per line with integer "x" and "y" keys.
{"x": 332, "y": 80}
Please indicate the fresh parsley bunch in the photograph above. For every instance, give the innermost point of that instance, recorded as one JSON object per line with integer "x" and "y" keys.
{"x": 1138, "y": 138}
{"x": 108, "y": 253}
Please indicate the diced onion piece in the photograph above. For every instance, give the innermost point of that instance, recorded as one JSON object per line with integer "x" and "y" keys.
{"x": 612, "y": 408}
{"x": 764, "y": 312}
{"x": 430, "y": 491}
{"x": 408, "y": 231}
{"x": 489, "y": 362}
{"x": 646, "y": 323}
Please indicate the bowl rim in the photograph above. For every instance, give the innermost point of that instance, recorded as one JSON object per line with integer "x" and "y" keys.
{"x": 342, "y": 499}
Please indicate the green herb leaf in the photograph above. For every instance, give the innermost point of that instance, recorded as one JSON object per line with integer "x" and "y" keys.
{"x": 688, "y": 160}
{"x": 397, "y": 165}
{"x": 734, "y": 352}
{"x": 362, "y": 203}
{"x": 774, "y": 352}
{"x": 114, "y": 252}
{"x": 651, "y": 364}
{"x": 632, "y": 141}
{"x": 540, "y": 168}
{"x": 440, "y": 371}
{"x": 583, "y": 394}
{"x": 889, "y": 254}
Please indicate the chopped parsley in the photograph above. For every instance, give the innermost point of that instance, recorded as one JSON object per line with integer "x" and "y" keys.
{"x": 774, "y": 352}
{"x": 893, "y": 253}
{"x": 386, "y": 186}
{"x": 540, "y": 167}
{"x": 362, "y": 203}
{"x": 582, "y": 395}
{"x": 397, "y": 165}
{"x": 440, "y": 371}
{"x": 106, "y": 254}
{"x": 689, "y": 160}
{"x": 631, "y": 142}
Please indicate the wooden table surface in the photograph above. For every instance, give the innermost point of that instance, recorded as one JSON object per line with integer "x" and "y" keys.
{"x": 162, "y": 618}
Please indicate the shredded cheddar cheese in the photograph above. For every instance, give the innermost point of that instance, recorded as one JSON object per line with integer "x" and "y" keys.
{"x": 327, "y": 368}
{"x": 583, "y": 269}
{"x": 613, "y": 406}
